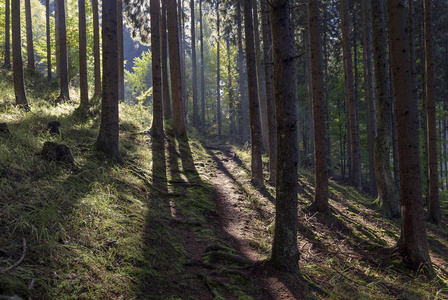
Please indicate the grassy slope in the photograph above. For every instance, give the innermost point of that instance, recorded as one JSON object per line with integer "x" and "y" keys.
{"x": 100, "y": 231}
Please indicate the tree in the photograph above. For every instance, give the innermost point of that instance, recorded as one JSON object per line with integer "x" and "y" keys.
{"x": 241, "y": 73}
{"x": 285, "y": 255}
{"x": 17, "y": 64}
{"x": 164, "y": 47}
{"x": 120, "y": 50}
{"x": 157, "y": 122}
{"x": 107, "y": 141}
{"x": 63, "y": 64}
{"x": 29, "y": 35}
{"x": 412, "y": 244}
{"x": 202, "y": 67}
{"x": 96, "y": 49}
{"x": 321, "y": 195}
{"x": 84, "y": 102}
{"x": 387, "y": 193}
{"x": 353, "y": 124}
{"x": 267, "y": 55}
{"x": 175, "y": 68}
{"x": 255, "y": 126}
{"x": 7, "y": 37}
{"x": 218, "y": 71}
{"x": 47, "y": 14}
{"x": 194, "y": 66}
{"x": 433, "y": 188}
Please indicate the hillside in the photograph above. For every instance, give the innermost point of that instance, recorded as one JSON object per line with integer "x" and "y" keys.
{"x": 96, "y": 230}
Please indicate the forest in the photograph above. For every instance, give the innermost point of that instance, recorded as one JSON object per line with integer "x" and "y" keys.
{"x": 223, "y": 149}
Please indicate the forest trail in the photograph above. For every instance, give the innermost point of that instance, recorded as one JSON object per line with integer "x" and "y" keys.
{"x": 238, "y": 222}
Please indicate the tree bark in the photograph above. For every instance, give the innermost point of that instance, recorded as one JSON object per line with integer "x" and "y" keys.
{"x": 120, "y": 50}
{"x": 229, "y": 87}
{"x": 175, "y": 68}
{"x": 218, "y": 75}
{"x": 255, "y": 126}
{"x": 433, "y": 188}
{"x": 321, "y": 195}
{"x": 285, "y": 255}
{"x": 202, "y": 68}
{"x": 84, "y": 97}
{"x": 96, "y": 49}
{"x": 387, "y": 193}
{"x": 241, "y": 74}
{"x": 47, "y": 18}
{"x": 353, "y": 130}
{"x": 413, "y": 242}
{"x": 107, "y": 141}
{"x": 7, "y": 36}
{"x": 157, "y": 121}
{"x": 17, "y": 64}
{"x": 194, "y": 66}
{"x": 63, "y": 63}
{"x": 166, "y": 85}
{"x": 268, "y": 61}
{"x": 29, "y": 35}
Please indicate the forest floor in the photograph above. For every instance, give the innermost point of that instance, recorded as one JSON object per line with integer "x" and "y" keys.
{"x": 97, "y": 230}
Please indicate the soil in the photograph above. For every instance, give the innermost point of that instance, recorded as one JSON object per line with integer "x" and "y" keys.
{"x": 237, "y": 222}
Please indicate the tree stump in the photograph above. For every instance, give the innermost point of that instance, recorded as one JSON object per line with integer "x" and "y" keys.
{"x": 57, "y": 152}
{"x": 53, "y": 128}
{"x": 4, "y": 131}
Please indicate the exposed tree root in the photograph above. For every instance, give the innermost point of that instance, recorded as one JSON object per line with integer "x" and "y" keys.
{"x": 19, "y": 261}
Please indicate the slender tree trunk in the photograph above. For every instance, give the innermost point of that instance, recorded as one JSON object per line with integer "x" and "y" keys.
{"x": 387, "y": 193}
{"x": 84, "y": 97}
{"x": 96, "y": 49}
{"x": 218, "y": 75}
{"x": 241, "y": 73}
{"x": 413, "y": 243}
{"x": 285, "y": 255}
{"x": 7, "y": 36}
{"x": 321, "y": 195}
{"x": 310, "y": 92}
{"x": 202, "y": 68}
{"x": 255, "y": 126}
{"x": 175, "y": 68}
{"x": 194, "y": 65}
{"x": 261, "y": 95}
{"x": 157, "y": 121}
{"x": 107, "y": 141}
{"x": 433, "y": 188}
{"x": 47, "y": 18}
{"x": 366, "y": 12}
{"x": 120, "y": 50}
{"x": 181, "y": 28}
{"x": 29, "y": 35}
{"x": 268, "y": 61}
{"x": 57, "y": 36}
{"x": 352, "y": 113}
{"x": 17, "y": 64}
{"x": 63, "y": 63}
{"x": 164, "y": 46}
{"x": 229, "y": 88}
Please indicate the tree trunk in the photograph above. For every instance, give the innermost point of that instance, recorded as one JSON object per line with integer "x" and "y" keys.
{"x": 164, "y": 46}
{"x": 194, "y": 67}
{"x": 321, "y": 195}
{"x": 84, "y": 97}
{"x": 120, "y": 50}
{"x": 107, "y": 141}
{"x": 57, "y": 37}
{"x": 255, "y": 126}
{"x": 261, "y": 95}
{"x": 355, "y": 177}
{"x": 433, "y": 188}
{"x": 413, "y": 243}
{"x": 7, "y": 37}
{"x": 47, "y": 18}
{"x": 229, "y": 87}
{"x": 366, "y": 12}
{"x": 157, "y": 121}
{"x": 285, "y": 255}
{"x": 268, "y": 61}
{"x": 202, "y": 69}
{"x": 181, "y": 29}
{"x": 309, "y": 84}
{"x": 241, "y": 74}
{"x": 218, "y": 71}
{"x": 63, "y": 63}
{"x": 387, "y": 193}
{"x": 29, "y": 35}
{"x": 96, "y": 49}
{"x": 175, "y": 68}
{"x": 17, "y": 64}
